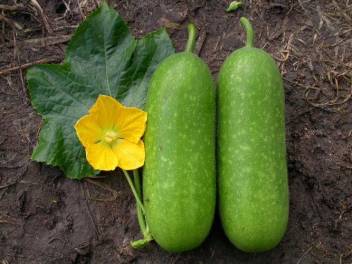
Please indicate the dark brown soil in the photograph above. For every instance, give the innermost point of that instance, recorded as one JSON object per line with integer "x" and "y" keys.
{"x": 46, "y": 218}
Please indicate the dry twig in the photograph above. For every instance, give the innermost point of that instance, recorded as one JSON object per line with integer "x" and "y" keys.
{"x": 8, "y": 70}
{"x": 104, "y": 187}
{"x": 80, "y": 9}
{"x": 41, "y": 12}
{"x": 40, "y": 42}
{"x": 12, "y": 7}
{"x": 7, "y": 185}
{"x": 44, "y": 42}
{"x": 92, "y": 218}
{"x": 10, "y": 22}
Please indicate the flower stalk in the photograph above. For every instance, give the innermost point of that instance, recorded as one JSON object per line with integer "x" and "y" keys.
{"x": 137, "y": 192}
{"x": 111, "y": 135}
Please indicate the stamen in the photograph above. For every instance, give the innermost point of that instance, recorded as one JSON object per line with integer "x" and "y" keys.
{"x": 110, "y": 136}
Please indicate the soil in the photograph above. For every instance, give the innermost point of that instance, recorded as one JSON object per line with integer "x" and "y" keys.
{"x": 46, "y": 218}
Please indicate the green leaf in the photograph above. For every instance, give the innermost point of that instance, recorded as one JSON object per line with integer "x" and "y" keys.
{"x": 102, "y": 58}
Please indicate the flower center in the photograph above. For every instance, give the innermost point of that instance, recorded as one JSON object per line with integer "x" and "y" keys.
{"x": 110, "y": 136}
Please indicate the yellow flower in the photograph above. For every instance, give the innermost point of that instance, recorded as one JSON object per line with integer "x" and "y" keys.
{"x": 111, "y": 135}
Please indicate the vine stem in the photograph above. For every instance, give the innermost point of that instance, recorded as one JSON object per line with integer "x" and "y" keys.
{"x": 249, "y": 31}
{"x": 140, "y": 214}
{"x": 137, "y": 192}
{"x": 138, "y": 200}
{"x": 192, "y": 35}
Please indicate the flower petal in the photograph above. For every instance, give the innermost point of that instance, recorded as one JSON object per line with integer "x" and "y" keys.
{"x": 105, "y": 109}
{"x": 129, "y": 121}
{"x": 132, "y": 123}
{"x": 131, "y": 156}
{"x": 101, "y": 157}
{"x": 107, "y": 115}
{"x": 87, "y": 130}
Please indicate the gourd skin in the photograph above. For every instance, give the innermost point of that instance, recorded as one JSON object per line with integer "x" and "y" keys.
{"x": 179, "y": 174}
{"x": 253, "y": 187}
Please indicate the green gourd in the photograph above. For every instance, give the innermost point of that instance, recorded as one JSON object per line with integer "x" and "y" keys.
{"x": 179, "y": 181}
{"x": 253, "y": 186}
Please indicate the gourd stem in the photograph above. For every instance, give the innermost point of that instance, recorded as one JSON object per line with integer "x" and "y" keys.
{"x": 249, "y": 31}
{"x": 234, "y": 6}
{"x": 192, "y": 34}
{"x": 138, "y": 200}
